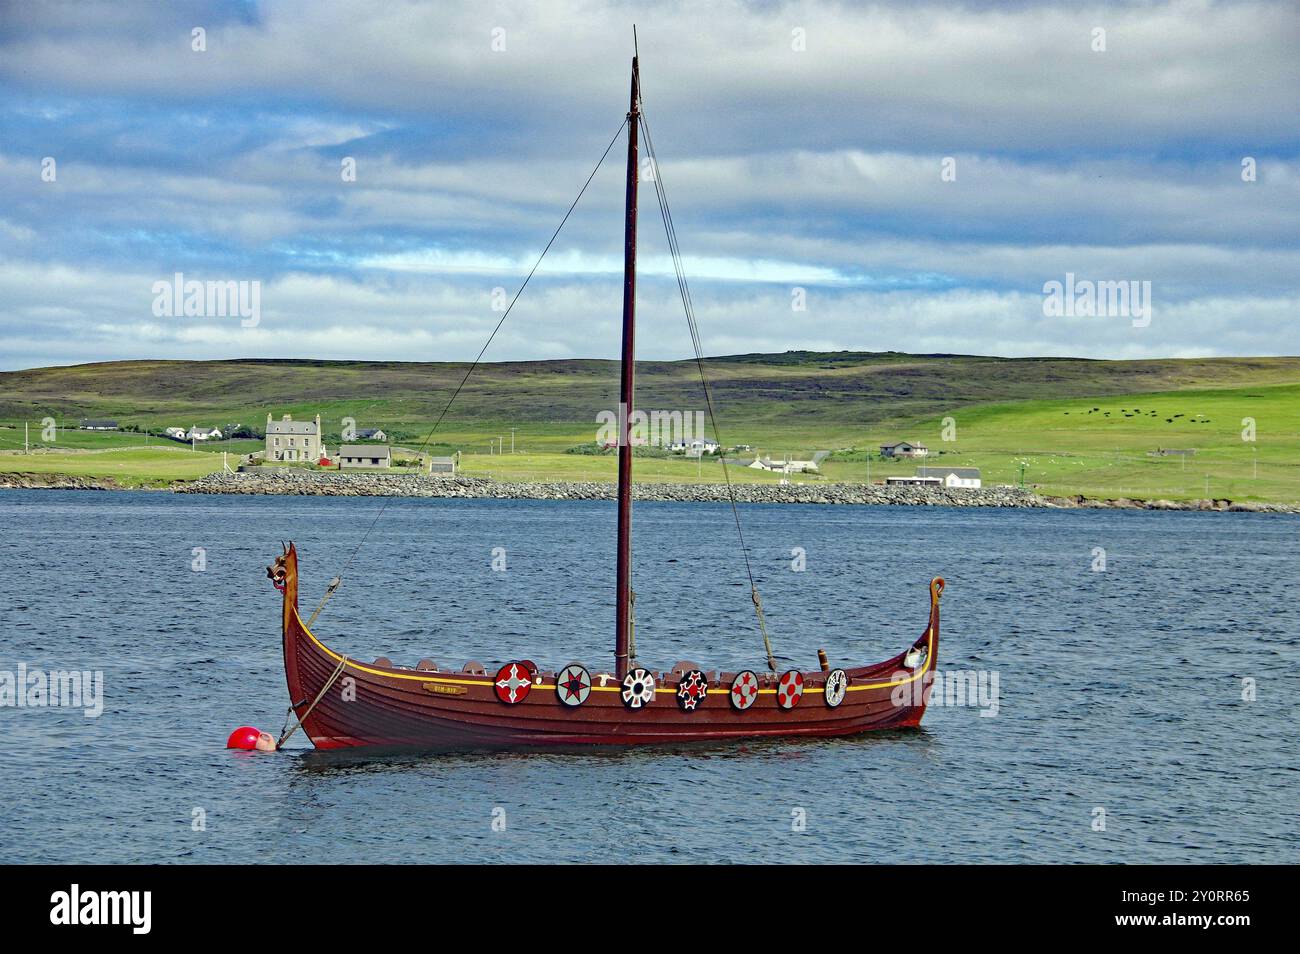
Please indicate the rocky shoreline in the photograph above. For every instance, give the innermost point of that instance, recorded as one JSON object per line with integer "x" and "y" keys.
{"x": 33, "y": 481}
{"x": 332, "y": 483}
{"x": 299, "y": 482}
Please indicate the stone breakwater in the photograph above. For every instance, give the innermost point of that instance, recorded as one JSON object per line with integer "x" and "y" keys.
{"x": 301, "y": 482}
{"x": 24, "y": 481}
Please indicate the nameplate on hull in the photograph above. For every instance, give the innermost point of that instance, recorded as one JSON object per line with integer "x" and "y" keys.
{"x": 439, "y": 689}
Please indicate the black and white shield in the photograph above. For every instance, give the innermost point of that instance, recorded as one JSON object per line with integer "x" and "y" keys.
{"x": 638, "y": 688}
{"x": 836, "y": 685}
{"x": 691, "y": 690}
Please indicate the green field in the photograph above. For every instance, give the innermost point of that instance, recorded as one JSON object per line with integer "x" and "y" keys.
{"x": 132, "y": 459}
{"x": 1009, "y": 415}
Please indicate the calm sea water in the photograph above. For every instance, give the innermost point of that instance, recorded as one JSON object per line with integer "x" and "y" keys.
{"x": 1118, "y": 690}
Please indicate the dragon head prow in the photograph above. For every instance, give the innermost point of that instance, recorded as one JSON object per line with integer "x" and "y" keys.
{"x": 285, "y": 564}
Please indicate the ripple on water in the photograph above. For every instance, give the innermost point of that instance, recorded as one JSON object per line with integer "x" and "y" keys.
{"x": 1119, "y": 690}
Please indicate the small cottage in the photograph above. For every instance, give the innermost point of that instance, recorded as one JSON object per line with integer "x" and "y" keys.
{"x": 699, "y": 447}
{"x": 791, "y": 466}
{"x": 915, "y": 481}
{"x": 904, "y": 449}
{"x": 369, "y": 456}
{"x": 953, "y": 476}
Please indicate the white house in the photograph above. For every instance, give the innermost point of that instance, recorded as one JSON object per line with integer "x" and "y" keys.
{"x": 203, "y": 434}
{"x": 695, "y": 448}
{"x": 371, "y": 434}
{"x": 791, "y": 466}
{"x": 175, "y": 433}
{"x": 904, "y": 449}
{"x": 953, "y": 476}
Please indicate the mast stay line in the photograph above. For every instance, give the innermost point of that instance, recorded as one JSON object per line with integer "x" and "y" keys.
{"x": 689, "y": 306}
{"x": 554, "y": 235}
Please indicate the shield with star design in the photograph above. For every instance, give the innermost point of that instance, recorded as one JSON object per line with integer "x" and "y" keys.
{"x": 512, "y": 682}
{"x": 573, "y": 684}
{"x": 790, "y": 689}
{"x": 638, "y": 688}
{"x": 744, "y": 690}
{"x": 691, "y": 690}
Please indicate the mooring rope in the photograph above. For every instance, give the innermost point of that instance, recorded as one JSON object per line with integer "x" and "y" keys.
{"x": 285, "y": 732}
{"x": 689, "y": 306}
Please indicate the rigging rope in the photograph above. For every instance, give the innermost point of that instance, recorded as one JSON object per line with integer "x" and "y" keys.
{"x": 357, "y": 549}
{"x": 689, "y": 306}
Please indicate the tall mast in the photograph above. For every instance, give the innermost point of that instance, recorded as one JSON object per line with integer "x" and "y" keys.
{"x": 623, "y": 616}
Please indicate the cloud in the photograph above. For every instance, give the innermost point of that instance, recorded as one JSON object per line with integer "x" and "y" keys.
{"x": 818, "y": 168}
{"x": 59, "y": 315}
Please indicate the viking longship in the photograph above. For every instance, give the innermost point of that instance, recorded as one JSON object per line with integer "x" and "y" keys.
{"x": 519, "y": 705}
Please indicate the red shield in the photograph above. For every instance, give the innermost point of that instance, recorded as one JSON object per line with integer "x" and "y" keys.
{"x": 790, "y": 689}
{"x": 512, "y": 682}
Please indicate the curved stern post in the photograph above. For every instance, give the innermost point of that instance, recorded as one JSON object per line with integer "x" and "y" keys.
{"x": 929, "y": 641}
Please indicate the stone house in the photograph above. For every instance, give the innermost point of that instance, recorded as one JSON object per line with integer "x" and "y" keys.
{"x": 290, "y": 440}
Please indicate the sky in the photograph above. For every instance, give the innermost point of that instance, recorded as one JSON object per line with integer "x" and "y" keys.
{"x": 894, "y": 176}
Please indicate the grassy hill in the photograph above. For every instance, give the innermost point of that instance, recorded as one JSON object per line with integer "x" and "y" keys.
{"x": 1035, "y": 411}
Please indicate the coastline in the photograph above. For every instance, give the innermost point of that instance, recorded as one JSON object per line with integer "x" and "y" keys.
{"x": 327, "y": 483}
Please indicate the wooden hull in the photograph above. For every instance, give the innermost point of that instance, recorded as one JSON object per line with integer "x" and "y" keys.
{"x": 394, "y": 707}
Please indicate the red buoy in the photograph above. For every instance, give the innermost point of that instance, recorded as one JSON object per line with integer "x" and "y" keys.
{"x": 248, "y": 738}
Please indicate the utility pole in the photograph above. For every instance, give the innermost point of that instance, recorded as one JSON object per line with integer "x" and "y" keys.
{"x": 26, "y": 448}
{"x": 512, "y": 440}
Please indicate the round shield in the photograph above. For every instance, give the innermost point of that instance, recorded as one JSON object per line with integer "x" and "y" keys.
{"x": 638, "y": 688}
{"x": 691, "y": 690}
{"x": 512, "y": 682}
{"x": 573, "y": 684}
{"x": 744, "y": 690}
{"x": 836, "y": 683}
{"x": 790, "y": 689}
